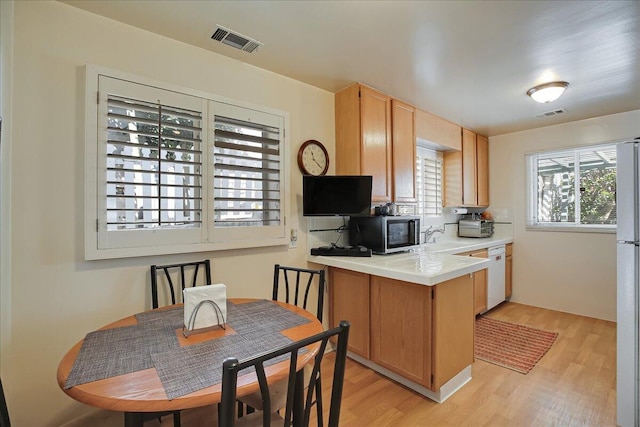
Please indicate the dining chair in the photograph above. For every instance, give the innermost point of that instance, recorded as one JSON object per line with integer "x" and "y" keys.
{"x": 170, "y": 271}
{"x": 182, "y": 271}
{"x": 295, "y": 285}
{"x": 4, "y": 412}
{"x": 295, "y": 394}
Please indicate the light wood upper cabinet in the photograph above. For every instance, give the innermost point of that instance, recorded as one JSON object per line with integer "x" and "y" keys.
{"x": 349, "y": 300}
{"x": 401, "y": 328}
{"x": 466, "y": 172}
{"x": 469, "y": 169}
{"x": 482, "y": 172}
{"x": 438, "y": 131}
{"x": 363, "y": 137}
{"x": 404, "y": 151}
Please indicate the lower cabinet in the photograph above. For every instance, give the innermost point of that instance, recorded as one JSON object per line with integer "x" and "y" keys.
{"x": 508, "y": 271}
{"x": 480, "y": 282}
{"x": 423, "y": 333}
{"x": 349, "y": 300}
{"x": 401, "y": 328}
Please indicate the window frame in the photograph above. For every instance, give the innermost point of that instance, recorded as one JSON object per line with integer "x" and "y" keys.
{"x": 531, "y": 193}
{"x": 93, "y": 215}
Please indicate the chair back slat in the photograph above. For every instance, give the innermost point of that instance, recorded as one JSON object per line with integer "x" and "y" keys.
{"x": 181, "y": 270}
{"x": 301, "y": 296}
{"x": 231, "y": 367}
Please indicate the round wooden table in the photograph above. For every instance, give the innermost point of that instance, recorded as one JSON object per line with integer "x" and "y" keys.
{"x": 142, "y": 391}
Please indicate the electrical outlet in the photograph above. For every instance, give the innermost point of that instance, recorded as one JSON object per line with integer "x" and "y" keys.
{"x": 293, "y": 242}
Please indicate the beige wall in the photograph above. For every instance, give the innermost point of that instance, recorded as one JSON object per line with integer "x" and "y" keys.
{"x": 570, "y": 272}
{"x": 56, "y": 296}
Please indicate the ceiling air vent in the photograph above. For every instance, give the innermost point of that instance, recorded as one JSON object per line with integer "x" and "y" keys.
{"x": 235, "y": 39}
{"x": 551, "y": 113}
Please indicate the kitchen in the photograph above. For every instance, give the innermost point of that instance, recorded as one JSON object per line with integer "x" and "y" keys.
{"x": 576, "y": 271}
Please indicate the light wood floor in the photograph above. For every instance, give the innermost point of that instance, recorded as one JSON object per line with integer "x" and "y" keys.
{"x": 573, "y": 385}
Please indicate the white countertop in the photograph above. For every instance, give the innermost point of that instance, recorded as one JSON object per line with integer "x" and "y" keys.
{"x": 428, "y": 265}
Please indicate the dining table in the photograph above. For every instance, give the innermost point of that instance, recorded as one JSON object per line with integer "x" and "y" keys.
{"x": 145, "y": 363}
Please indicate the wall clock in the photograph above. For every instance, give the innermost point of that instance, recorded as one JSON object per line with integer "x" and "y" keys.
{"x": 313, "y": 158}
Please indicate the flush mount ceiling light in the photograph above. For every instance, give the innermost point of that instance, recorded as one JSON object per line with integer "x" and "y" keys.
{"x": 547, "y": 92}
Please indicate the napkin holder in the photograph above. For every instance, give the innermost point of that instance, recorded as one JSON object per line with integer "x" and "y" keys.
{"x": 205, "y": 308}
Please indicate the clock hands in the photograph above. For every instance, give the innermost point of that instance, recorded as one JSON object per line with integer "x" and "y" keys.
{"x": 314, "y": 159}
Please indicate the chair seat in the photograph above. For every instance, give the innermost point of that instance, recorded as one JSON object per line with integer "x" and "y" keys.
{"x": 255, "y": 420}
{"x": 277, "y": 393}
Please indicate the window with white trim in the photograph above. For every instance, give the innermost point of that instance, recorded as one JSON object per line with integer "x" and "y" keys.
{"x": 572, "y": 189}
{"x": 173, "y": 170}
{"x": 429, "y": 182}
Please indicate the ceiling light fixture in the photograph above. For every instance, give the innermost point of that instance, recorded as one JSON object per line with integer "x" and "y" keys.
{"x": 547, "y": 92}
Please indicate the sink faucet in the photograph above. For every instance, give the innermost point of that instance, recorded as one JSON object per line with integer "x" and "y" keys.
{"x": 431, "y": 231}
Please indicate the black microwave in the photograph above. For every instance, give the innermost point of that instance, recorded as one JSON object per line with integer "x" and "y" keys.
{"x": 385, "y": 234}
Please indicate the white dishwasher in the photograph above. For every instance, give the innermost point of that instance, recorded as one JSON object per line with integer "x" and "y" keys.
{"x": 496, "y": 276}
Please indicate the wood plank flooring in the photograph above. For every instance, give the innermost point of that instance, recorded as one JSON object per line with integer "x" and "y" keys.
{"x": 573, "y": 385}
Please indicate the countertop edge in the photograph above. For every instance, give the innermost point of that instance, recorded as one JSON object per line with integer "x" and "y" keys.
{"x": 454, "y": 265}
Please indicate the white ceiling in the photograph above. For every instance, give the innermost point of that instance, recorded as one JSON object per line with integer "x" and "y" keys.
{"x": 470, "y": 62}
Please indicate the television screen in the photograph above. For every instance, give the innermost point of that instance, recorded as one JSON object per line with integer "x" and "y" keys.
{"x": 345, "y": 195}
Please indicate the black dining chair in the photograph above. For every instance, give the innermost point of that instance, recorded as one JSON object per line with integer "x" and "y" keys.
{"x": 4, "y": 412}
{"x": 293, "y": 286}
{"x": 183, "y": 271}
{"x": 297, "y": 403}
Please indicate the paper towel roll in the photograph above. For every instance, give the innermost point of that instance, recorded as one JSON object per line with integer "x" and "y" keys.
{"x": 459, "y": 211}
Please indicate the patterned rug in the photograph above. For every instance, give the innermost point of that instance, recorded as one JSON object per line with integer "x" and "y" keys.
{"x": 512, "y": 346}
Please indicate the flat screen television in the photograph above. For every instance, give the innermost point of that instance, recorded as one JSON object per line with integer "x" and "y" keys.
{"x": 345, "y": 195}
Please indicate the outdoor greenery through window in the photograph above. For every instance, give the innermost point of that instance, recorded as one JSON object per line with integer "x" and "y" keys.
{"x": 573, "y": 188}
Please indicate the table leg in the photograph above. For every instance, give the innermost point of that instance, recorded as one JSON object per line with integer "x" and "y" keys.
{"x": 133, "y": 419}
{"x": 298, "y": 400}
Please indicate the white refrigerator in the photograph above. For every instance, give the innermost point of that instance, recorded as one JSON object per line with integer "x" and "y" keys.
{"x": 628, "y": 297}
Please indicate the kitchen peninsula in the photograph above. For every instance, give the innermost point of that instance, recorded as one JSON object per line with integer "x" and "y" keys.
{"x": 412, "y": 314}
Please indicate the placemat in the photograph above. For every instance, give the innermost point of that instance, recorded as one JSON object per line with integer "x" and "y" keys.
{"x": 133, "y": 345}
{"x": 260, "y": 316}
{"x": 182, "y": 370}
{"x": 198, "y": 366}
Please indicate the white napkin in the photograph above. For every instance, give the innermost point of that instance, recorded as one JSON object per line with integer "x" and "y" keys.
{"x": 207, "y": 315}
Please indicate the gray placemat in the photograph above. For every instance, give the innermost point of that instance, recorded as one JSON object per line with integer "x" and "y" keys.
{"x": 173, "y": 316}
{"x": 198, "y": 366}
{"x": 262, "y": 316}
{"x": 112, "y": 352}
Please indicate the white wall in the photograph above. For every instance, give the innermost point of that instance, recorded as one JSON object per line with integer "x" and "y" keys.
{"x": 570, "y": 272}
{"x": 56, "y": 296}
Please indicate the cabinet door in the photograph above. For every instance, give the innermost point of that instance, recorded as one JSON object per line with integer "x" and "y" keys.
{"x": 401, "y": 328}
{"x": 452, "y": 178}
{"x": 469, "y": 169}
{"x": 480, "y": 285}
{"x": 404, "y": 152}
{"x": 349, "y": 300}
{"x": 508, "y": 271}
{"x": 453, "y": 326}
{"x": 482, "y": 154}
{"x": 375, "y": 158}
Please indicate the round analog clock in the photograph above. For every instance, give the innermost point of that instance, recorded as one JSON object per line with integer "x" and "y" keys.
{"x": 313, "y": 158}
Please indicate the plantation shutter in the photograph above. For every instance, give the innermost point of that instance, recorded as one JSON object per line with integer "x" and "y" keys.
{"x": 151, "y": 155}
{"x": 429, "y": 183}
{"x": 248, "y": 175}
{"x": 154, "y": 165}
